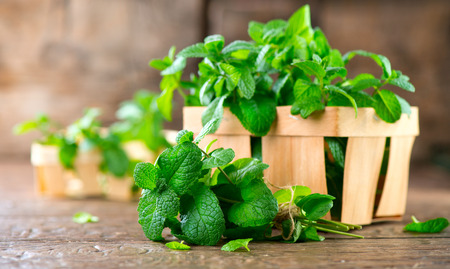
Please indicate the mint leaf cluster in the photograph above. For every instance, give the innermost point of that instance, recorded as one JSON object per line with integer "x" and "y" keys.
{"x": 285, "y": 63}
{"x": 181, "y": 184}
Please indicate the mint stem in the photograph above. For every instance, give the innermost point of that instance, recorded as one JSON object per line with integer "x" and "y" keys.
{"x": 337, "y": 232}
{"x": 220, "y": 169}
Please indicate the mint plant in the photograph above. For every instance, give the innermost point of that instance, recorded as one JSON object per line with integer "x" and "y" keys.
{"x": 233, "y": 202}
{"x": 285, "y": 63}
{"x": 140, "y": 119}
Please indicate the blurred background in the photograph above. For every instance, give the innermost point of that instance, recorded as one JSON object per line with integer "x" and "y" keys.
{"x": 60, "y": 56}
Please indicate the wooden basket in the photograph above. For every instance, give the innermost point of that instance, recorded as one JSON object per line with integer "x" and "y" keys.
{"x": 51, "y": 179}
{"x": 48, "y": 171}
{"x": 294, "y": 150}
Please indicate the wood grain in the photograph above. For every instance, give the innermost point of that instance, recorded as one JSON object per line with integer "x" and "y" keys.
{"x": 277, "y": 152}
{"x": 333, "y": 121}
{"x": 362, "y": 167}
{"x": 393, "y": 197}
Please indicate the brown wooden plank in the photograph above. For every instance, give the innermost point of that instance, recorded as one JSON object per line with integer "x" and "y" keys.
{"x": 360, "y": 178}
{"x": 393, "y": 197}
{"x": 308, "y": 163}
{"x": 276, "y": 152}
{"x": 333, "y": 121}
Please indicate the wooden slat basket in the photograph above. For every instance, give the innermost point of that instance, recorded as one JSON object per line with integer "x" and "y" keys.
{"x": 294, "y": 150}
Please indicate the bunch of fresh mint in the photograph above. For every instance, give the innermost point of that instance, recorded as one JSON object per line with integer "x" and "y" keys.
{"x": 233, "y": 201}
{"x": 286, "y": 63}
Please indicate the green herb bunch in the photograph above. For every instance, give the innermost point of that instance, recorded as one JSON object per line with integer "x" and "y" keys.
{"x": 140, "y": 119}
{"x": 87, "y": 134}
{"x": 51, "y": 131}
{"x": 286, "y": 63}
{"x": 233, "y": 201}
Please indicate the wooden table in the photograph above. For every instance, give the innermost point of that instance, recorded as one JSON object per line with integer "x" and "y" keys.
{"x": 39, "y": 233}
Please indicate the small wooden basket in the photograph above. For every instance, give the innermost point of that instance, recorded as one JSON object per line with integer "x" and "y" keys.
{"x": 51, "y": 179}
{"x": 294, "y": 150}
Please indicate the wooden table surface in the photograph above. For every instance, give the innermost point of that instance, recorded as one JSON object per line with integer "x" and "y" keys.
{"x": 39, "y": 233}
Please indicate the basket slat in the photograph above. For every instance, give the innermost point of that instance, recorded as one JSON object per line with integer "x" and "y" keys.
{"x": 276, "y": 152}
{"x": 301, "y": 161}
{"x": 49, "y": 180}
{"x": 393, "y": 197}
{"x": 362, "y": 168}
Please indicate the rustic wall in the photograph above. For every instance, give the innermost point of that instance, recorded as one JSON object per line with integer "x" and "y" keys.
{"x": 58, "y": 56}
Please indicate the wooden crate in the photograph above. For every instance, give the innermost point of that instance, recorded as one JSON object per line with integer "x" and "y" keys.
{"x": 294, "y": 150}
{"x": 51, "y": 179}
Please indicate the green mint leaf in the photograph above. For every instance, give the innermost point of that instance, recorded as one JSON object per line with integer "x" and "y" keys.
{"x": 236, "y": 244}
{"x": 207, "y": 129}
{"x": 258, "y": 206}
{"x": 146, "y": 175}
{"x": 238, "y": 45}
{"x": 322, "y": 46}
{"x": 168, "y": 204}
{"x": 337, "y": 150}
{"x": 181, "y": 166}
{"x": 25, "y": 127}
{"x": 273, "y": 31}
{"x": 159, "y": 64}
{"x": 171, "y": 54}
{"x": 195, "y": 51}
{"x": 153, "y": 210}
{"x": 381, "y": 60}
{"x": 84, "y": 217}
{"x": 219, "y": 157}
{"x": 244, "y": 169}
{"x": 402, "y": 82}
{"x": 261, "y": 58}
{"x": 207, "y": 91}
{"x": 310, "y": 234}
{"x": 340, "y": 91}
{"x": 233, "y": 73}
{"x": 315, "y": 206}
{"x": 116, "y": 160}
{"x": 257, "y": 233}
{"x": 214, "y": 111}
{"x": 334, "y": 72}
{"x": 255, "y": 31}
{"x": 67, "y": 153}
{"x": 177, "y": 246}
{"x": 311, "y": 68}
{"x": 164, "y": 103}
{"x": 246, "y": 84}
{"x": 256, "y": 114}
{"x": 362, "y": 82}
{"x": 178, "y": 65}
{"x": 202, "y": 220}
{"x": 430, "y": 226}
{"x": 292, "y": 194}
{"x": 335, "y": 59}
{"x": 308, "y": 98}
{"x": 299, "y": 22}
{"x": 218, "y": 86}
{"x": 209, "y": 145}
{"x": 406, "y": 107}
{"x": 240, "y": 54}
{"x": 214, "y": 43}
{"x": 184, "y": 136}
{"x": 387, "y": 106}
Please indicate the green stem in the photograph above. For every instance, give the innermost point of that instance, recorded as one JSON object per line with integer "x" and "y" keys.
{"x": 220, "y": 169}
{"x": 351, "y": 226}
{"x": 334, "y": 227}
{"x": 227, "y": 200}
{"x": 337, "y": 232}
{"x": 181, "y": 93}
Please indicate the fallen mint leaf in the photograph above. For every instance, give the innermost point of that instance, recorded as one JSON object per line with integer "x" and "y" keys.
{"x": 236, "y": 244}
{"x": 178, "y": 246}
{"x": 430, "y": 226}
{"x": 84, "y": 217}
